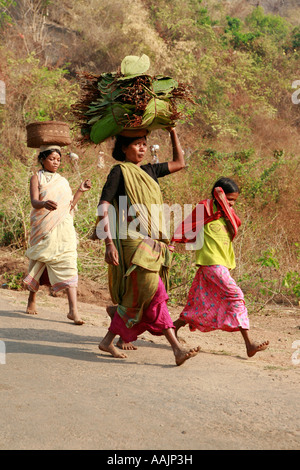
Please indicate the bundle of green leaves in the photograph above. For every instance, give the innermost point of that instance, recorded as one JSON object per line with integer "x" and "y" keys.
{"x": 127, "y": 99}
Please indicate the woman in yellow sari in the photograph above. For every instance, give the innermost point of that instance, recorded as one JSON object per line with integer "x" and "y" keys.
{"x": 53, "y": 246}
{"x": 138, "y": 260}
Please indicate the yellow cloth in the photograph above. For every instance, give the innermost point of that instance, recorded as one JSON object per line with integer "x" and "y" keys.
{"x": 56, "y": 188}
{"x": 145, "y": 196}
{"x": 57, "y": 246}
{"x": 217, "y": 246}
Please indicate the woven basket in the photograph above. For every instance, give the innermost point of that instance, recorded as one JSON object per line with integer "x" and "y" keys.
{"x": 47, "y": 133}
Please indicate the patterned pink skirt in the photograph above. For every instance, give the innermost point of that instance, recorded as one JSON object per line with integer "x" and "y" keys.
{"x": 215, "y": 302}
{"x": 156, "y": 318}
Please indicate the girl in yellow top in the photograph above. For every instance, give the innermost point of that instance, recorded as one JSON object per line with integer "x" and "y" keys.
{"x": 214, "y": 300}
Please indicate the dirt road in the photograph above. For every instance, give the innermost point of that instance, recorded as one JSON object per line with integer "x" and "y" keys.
{"x": 58, "y": 391}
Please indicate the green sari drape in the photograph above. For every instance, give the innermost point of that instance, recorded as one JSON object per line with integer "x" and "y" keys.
{"x": 142, "y": 257}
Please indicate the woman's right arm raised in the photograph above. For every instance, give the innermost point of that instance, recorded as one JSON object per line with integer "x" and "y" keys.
{"x": 35, "y": 196}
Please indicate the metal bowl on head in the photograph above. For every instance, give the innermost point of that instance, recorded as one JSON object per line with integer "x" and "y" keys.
{"x": 134, "y": 132}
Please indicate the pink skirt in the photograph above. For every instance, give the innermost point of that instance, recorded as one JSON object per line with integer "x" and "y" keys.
{"x": 156, "y": 318}
{"x": 215, "y": 302}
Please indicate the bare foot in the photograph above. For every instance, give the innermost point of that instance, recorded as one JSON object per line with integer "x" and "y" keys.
{"x": 31, "y": 310}
{"x": 31, "y": 304}
{"x": 75, "y": 319}
{"x": 182, "y": 355}
{"x": 112, "y": 350}
{"x": 111, "y": 310}
{"x": 256, "y": 347}
{"x": 125, "y": 346}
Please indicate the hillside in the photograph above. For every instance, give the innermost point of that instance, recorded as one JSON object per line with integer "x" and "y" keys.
{"x": 288, "y": 9}
{"x": 241, "y": 58}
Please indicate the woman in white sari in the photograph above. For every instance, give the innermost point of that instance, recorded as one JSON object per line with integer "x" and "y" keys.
{"x": 53, "y": 247}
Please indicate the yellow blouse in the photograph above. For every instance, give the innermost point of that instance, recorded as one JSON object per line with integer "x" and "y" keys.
{"x": 217, "y": 246}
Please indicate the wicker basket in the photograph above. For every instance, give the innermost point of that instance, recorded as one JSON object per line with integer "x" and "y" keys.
{"x": 47, "y": 133}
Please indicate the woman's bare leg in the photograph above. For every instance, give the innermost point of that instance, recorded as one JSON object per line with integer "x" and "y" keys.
{"x": 178, "y": 324}
{"x": 31, "y": 305}
{"x": 108, "y": 346}
{"x": 73, "y": 310}
{"x": 111, "y": 310}
{"x": 181, "y": 355}
{"x": 253, "y": 347}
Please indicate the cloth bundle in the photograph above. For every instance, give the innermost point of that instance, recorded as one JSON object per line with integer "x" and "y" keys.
{"x": 128, "y": 99}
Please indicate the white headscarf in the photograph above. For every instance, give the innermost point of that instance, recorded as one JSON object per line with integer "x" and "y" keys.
{"x": 43, "y": 148}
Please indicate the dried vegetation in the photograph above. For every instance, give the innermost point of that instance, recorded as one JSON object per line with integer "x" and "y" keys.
{"x": 241, "y": 62}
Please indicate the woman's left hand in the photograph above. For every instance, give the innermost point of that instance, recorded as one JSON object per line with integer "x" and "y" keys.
{"x": 85, "y": 185}
{"x": 111, "y": 254}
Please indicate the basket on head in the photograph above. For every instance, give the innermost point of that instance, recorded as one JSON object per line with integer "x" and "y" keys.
{"x": 48, "y": 132}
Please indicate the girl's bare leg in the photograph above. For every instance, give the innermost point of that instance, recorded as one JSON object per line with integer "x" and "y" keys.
{"x": 73, "y": 310}
{"x": 31, "y": 305}
{"x": 253, "y": 347}
{"x": 108, "y": 346}
{"x": 178, "y": 324}
{"x": 111, "y": 310}
{"x": 181, "y": 354}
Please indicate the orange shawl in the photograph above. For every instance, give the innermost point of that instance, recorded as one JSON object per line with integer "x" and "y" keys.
{"x": 187, "y": 231}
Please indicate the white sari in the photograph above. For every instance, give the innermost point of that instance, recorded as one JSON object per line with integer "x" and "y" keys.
{"x": 53, "y": 240}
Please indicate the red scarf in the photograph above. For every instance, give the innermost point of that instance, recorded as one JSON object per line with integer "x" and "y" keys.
{"x": 190, "y": 227}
